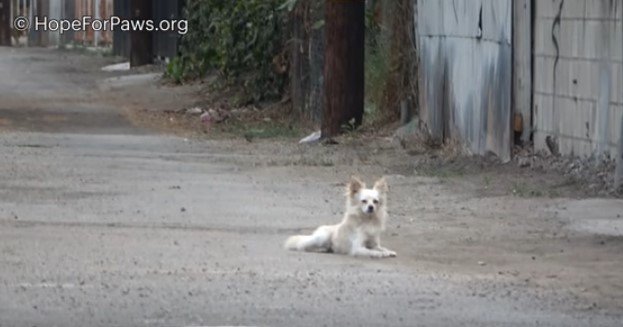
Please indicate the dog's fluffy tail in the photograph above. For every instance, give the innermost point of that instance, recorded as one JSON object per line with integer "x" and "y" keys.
{"x": 319, "y": 240}
{"x": 292, "y": 243}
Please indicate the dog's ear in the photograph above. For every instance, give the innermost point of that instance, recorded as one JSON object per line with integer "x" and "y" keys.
{"x": 354, "y": 186}
{"x": 381, "y": 185}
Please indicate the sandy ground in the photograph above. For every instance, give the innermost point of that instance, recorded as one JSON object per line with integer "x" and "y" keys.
{"x": 108, "y": 221}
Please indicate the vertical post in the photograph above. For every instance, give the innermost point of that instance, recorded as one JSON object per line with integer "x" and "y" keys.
{"x": 522, "y": 68}
{"x": 10, "y": 9}
{"x": 141, "y": 48}
{"x": 34, "y": 36}
{"x": 83, "y": 10}
{"x": 5, "y": 23}
{"x": 121, "y": 39}
{"x": 97, "y": 15}
{"x": 344, "y": 65}
{"x": 44, "y": 10}
{"x": 618, "y": 175}
{"x": 65, "y": 38}
{"x": 29, "y": 32}
{"x": 117, "y": 37}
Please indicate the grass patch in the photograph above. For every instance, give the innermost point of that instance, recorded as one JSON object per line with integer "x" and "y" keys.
{"x": 486, "y": 180}
{"x": 271, "y": 131}
{"x": 443, "y": 173}
{"x": 258, "y": 130}
{"x": 88, "y": 50}
{"x": 537, "y": 190}
{"x": 525, "y": 190}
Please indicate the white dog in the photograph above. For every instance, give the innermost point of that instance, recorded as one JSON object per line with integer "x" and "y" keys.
{"x": 359, "y": 232}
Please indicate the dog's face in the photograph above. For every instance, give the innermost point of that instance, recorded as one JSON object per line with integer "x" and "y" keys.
{"x": 368, "y": 200}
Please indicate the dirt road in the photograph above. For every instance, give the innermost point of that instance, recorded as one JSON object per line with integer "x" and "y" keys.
{"x": 103, "y": 223}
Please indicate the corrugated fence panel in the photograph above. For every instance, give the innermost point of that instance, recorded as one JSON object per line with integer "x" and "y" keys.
{"x": 578, "y": 75}
{"x": 465, "y": 72}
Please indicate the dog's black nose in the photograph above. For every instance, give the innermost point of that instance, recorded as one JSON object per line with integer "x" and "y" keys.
{"x": 370, "y": 208}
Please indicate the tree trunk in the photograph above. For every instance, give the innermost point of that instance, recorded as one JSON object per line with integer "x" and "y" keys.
{"x": 344, "y": 65}
{"x": 141, "y": 48}
{"x": 5, "y": 22}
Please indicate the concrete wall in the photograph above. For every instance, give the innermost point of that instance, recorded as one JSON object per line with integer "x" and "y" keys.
{"x": 578, "y": 75}
{"x": 465, "y": 72}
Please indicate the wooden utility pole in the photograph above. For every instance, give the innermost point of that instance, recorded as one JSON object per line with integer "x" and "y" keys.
{"x": 5, "y": 22}
{"x": 344, "y": 65}
{"x": 141, "y": 49}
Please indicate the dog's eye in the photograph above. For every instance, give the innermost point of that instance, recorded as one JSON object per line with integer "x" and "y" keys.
{"x": 376, "y": 201}
{"x": 364, "y": 201}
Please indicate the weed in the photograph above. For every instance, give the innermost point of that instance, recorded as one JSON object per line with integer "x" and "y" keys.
{"x": 259, "y": 130}
{"x": 487, "y": 181}
{"x": 524, "y": 190}
{"x": 443, "y": 173}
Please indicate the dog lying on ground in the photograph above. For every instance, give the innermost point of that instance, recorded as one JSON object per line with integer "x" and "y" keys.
{"x": 359, "y": 232}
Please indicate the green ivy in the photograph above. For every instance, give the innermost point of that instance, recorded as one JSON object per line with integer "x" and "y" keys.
{"x": 241, "y": 39}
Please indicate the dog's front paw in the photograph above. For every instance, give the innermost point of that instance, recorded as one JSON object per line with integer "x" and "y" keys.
{"x": 389, "y": 253}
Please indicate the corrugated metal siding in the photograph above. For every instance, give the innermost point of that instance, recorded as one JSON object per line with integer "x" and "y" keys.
{"x": 578, "y": 75}
{"x": 465, "y": 72}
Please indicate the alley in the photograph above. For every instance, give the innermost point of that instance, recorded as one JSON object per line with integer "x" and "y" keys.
{"x": 106, "y": 223}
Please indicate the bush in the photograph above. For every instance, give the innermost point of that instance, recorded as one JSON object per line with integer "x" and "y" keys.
{"x": 242, "y": 40}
